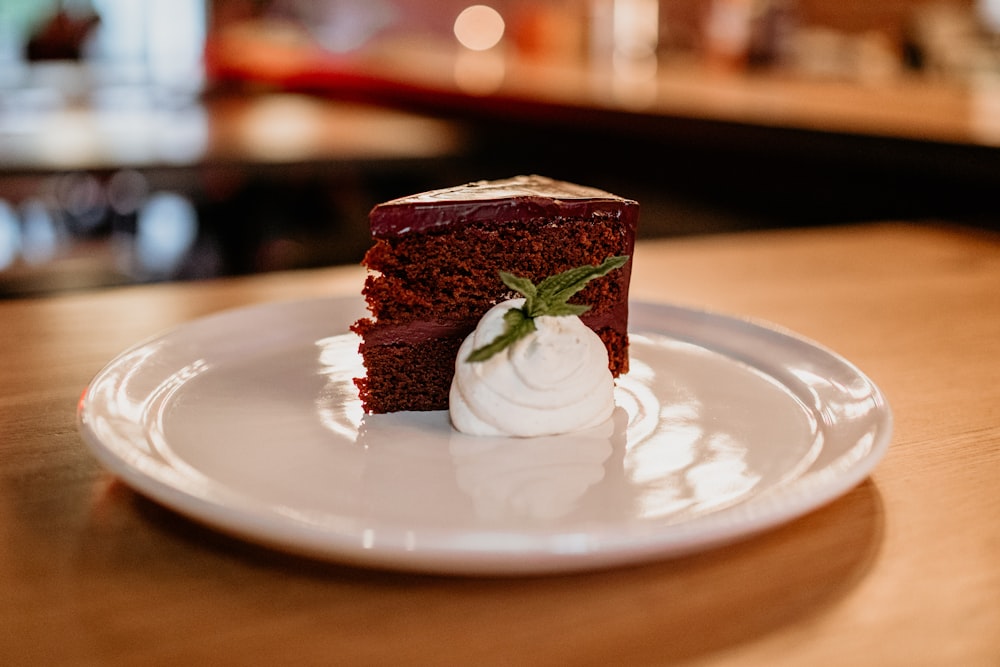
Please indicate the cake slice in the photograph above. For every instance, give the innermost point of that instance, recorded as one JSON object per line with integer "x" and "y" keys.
{"x": 434, "y": 270}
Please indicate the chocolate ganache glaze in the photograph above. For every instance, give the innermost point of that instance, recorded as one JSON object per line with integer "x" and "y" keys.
{"x": 498, "y": 201}
{"x": 419, "y": 330}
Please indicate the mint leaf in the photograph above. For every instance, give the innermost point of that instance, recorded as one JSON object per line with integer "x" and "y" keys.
{"x": 522, "y": 285}
{"x": 518, "y": 284}
{"x": 549, "y": 297}
{"x": 519, "y": 325}
{"x": 562, "y": 309}
{"x": 560, "y": 287}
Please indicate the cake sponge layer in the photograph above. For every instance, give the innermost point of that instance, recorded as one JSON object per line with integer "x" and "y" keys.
{"x": 455, "y": 275}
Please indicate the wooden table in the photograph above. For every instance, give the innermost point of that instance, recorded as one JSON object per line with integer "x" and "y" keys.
{"x": 903, "y": 570}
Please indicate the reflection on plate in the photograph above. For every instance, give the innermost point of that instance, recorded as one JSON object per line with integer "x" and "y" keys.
{"x": 248, "y": 421}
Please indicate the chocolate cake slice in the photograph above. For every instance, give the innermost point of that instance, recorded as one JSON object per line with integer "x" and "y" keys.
{"x": 433, "y": 272}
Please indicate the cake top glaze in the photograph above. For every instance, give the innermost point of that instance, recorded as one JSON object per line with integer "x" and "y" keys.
{"x": 499, "y": 201}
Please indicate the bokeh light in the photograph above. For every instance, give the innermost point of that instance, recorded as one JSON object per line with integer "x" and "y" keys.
{"x": 10, "y": 235}
{"x": 479, "y": 27}
{"x": 166, "y": 229}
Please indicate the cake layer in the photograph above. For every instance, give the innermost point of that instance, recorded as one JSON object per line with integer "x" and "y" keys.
{"x": 455, "y": 275}
{"x": 414, "y": 376}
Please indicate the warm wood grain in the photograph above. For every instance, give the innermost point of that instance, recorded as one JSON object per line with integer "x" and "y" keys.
{"x": 903, "y": 570}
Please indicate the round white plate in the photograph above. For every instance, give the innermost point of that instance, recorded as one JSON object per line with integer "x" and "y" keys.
{"x": 248, "y": 421}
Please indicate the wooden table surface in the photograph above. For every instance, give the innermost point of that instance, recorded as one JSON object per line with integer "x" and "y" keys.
{"x": 902, "y": 570}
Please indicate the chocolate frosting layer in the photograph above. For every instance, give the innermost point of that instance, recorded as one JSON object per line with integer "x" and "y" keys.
{"x": 499, "y": 201}
{"x": 414, "y": 332}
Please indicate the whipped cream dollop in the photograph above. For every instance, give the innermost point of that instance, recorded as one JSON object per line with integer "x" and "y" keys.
{"x": 555, "y": 380}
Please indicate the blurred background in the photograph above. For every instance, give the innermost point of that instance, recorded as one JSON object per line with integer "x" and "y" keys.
{"x": 188, "y": 139}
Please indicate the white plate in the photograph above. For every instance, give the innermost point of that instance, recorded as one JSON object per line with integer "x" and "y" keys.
{"x": 248, "y": 421}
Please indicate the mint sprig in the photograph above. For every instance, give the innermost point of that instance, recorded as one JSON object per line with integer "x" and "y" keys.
{"x": 549, "y": 297}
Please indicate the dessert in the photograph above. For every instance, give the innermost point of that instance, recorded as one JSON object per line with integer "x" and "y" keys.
{"x": 433, "y": 272}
